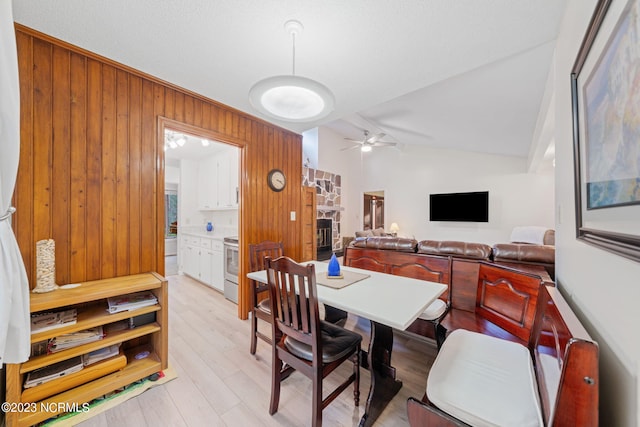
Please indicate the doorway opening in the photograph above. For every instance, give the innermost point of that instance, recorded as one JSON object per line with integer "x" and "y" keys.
{"x": 202, "y": 200}
{"x": 373, "y": 210}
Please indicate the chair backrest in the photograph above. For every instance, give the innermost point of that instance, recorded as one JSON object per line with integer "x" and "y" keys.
{"x": 508, "y": 298}
{"x": 294, "y": 301}
{"x": 258, "y": 251}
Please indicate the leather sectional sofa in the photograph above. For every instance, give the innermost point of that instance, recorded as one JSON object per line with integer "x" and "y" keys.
{"x": 454, "y": 263}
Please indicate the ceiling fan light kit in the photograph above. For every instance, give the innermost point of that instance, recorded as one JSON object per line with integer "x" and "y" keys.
{"x": 292, "y": 98}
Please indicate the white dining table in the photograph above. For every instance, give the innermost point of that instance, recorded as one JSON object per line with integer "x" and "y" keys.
{"x": 389, "y": 302}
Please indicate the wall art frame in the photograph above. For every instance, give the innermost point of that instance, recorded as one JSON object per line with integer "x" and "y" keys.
{"x": 605, "y": 91}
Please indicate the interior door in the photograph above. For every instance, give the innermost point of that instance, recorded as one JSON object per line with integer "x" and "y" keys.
{"x": 308, "y": 218}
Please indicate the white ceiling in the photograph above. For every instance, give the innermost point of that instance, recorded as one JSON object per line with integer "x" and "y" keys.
{"x": 462, "y": 74}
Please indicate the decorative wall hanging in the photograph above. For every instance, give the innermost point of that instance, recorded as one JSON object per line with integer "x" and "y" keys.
{"x": 605, "y": 85}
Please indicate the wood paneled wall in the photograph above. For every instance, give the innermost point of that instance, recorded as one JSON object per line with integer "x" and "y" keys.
{"x": 91, "y": 172}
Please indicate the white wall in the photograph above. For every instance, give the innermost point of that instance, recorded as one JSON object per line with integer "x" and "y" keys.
{"x": 603, "y": 288}
{"x": 171, "y": 174}
{"x": 409, "y": 174}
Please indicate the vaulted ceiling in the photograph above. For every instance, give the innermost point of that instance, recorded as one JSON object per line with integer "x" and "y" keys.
{"x": 461, "y": 74}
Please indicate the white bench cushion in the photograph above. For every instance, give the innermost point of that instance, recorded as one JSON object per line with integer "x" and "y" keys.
{"x": 485, "y": 381}
{"x": 434, "y": 310}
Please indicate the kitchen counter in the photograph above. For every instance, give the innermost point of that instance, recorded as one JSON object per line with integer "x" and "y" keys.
{"x": 207, "y": 234}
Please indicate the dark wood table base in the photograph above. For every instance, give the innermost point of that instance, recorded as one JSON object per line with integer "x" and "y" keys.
{"x": 384, "y": 385}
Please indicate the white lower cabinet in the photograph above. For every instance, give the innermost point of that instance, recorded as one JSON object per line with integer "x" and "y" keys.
{"x": 203, "y": 260}
{"x": 190, "y": 261}
{"x": 216, "y": 259}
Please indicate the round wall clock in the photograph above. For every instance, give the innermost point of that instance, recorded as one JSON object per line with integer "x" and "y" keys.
{"x": 276, "y": 180}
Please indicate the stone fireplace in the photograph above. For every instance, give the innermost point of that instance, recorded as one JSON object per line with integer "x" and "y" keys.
{"x": 328, "y": 193}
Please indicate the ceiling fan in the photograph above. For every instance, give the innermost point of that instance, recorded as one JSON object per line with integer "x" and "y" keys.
{"x": 369, "y": 141}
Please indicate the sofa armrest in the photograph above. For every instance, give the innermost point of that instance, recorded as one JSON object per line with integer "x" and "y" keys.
{"x": 523, "y": 252}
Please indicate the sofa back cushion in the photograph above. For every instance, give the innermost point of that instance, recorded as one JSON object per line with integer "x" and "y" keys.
{"x": 400, "y": 244}
{"x": 466, "y": 250}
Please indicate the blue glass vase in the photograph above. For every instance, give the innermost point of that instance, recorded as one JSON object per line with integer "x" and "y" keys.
{"x": 334, "y": 266}
{"x": 209, "y": 226}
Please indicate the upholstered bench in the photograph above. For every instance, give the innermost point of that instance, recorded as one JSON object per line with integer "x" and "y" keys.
{"x": 481, "y": 380}
{"x": 485, "y": 381}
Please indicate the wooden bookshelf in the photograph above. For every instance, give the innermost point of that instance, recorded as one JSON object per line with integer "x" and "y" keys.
{"x": 89, "y": 299}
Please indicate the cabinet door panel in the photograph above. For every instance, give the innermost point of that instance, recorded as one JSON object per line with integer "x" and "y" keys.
{"x": 207, "y": 187}
{"x": 190, "y": 261}
{"x": 206, "y": 257}
{"x": 217, "y": 270}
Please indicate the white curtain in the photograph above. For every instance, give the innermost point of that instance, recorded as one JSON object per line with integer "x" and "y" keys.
{"x": 14, "y": 287}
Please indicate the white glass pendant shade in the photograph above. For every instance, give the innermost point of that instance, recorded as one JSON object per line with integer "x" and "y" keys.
{"x": 292, "y": 98}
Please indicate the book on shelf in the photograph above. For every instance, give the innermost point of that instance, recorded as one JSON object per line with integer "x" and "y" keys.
{"x": 41, "y": 322}
{"x": 74, "y": 339}
{"x": 142, "y": 319}
{"x": 51, "y": 372}
{"x": 131, "y": 301}
{"x": 39, "y": 348}
{"x": 100, "y": 354}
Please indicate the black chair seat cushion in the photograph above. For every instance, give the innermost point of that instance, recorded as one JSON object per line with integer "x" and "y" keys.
{"x": 336, "y": 343}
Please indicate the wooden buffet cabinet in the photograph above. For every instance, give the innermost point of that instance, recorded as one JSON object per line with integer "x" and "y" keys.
{"x": 89, "y": 299}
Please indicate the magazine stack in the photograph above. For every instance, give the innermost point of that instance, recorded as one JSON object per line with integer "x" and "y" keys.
{"x": 131, "y": 301}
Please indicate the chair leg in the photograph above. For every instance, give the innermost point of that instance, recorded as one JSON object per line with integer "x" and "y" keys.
{"x": 254, "y": 331}
{"x": 316, "y": 403}
{"x": 276, "y": 379}
{"x": 356, "y": 382}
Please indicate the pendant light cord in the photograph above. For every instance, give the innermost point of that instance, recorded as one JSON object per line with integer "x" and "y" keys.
{"x": 293, "y": 38}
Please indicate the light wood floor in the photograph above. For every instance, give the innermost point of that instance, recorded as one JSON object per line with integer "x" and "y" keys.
{"x": 220, "y": 384}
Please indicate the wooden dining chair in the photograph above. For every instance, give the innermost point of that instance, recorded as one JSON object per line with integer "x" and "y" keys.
{"x": 260, "y": 309}
{"x": 309, "y": 345}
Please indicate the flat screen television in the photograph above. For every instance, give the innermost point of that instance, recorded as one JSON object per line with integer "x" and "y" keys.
{"x": 462, "y": 207}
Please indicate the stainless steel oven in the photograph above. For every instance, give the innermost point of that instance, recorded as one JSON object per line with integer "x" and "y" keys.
{"x": 231, "y": 268}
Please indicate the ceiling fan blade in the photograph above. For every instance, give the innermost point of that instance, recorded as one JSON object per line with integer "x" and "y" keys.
{"x": 384, "y": 144}
{"x": 375, "y": 138}
{"x": 350, "y": 148}
{"x": 359, "y": 141}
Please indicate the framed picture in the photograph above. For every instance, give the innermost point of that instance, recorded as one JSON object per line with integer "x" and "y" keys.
{"x": 605, "y": 88}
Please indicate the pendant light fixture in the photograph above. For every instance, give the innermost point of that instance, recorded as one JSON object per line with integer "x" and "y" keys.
{"x": 289, "y": 97}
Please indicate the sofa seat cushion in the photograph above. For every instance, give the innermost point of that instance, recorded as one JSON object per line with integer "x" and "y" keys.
{"x": 485, "y": 381}
{"x": 400, "y": 244}
{"x": 457, "y": 249}
{"x": 434, "y": 311}
{"x": 522, "y": 252}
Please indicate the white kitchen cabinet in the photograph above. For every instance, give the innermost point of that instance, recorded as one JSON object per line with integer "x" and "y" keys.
{"x": 233, "y": 174}
{"x": 203, "y": 260}
{"x": 218, "y": 180}
{"x": 190, "y": 264}
{"x": 217, "y": 266}
{"x": 207, "y": 183}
